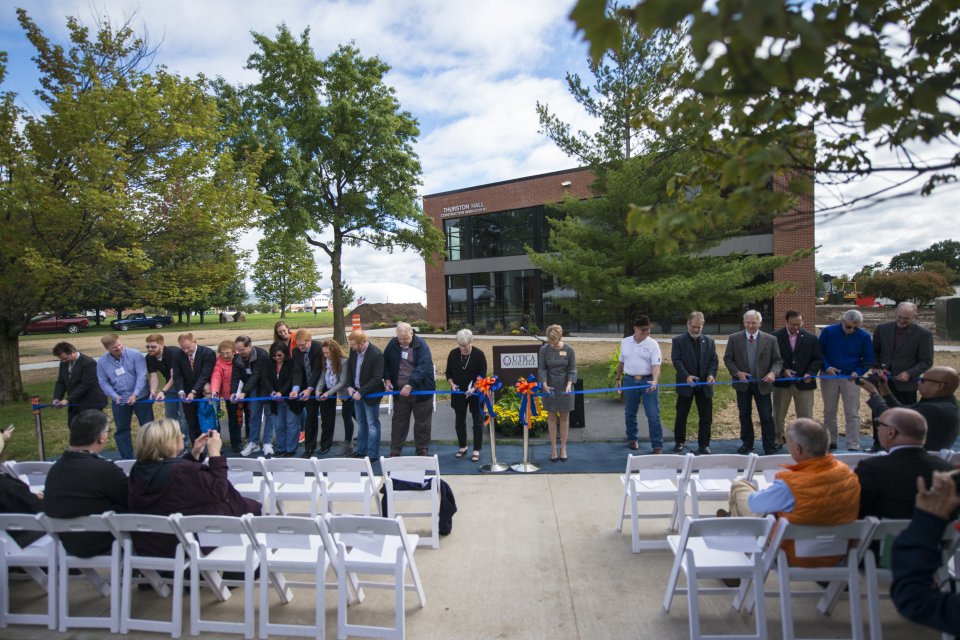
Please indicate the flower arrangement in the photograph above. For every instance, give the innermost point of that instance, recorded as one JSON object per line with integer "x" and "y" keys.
{"x": 507, "y": 411}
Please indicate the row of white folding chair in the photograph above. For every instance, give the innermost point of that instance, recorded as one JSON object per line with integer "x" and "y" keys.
{"x": 423, "y": 471}
{"x": 675, "y": 478}
{"x": 275, "y": 544}
{"x": 32, "y": 473}
{"x": 740, "y": 548}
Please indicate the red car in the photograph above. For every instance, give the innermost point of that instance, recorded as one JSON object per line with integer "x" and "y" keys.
{"x": 53, "y": 322}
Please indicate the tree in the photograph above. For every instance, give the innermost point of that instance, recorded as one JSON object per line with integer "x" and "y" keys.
{"x": 349, "y": 295}
{"x": 619, "y": 273}
{"x": 285, "y": 270}
{"x": 81, "y": 184}
{"x": 868, "y": 79}
{"x": 342, "y": 169}
{"x": 920, "y": 287}
{"x": 626, "y": 80}
{"x": 945, "y": 251}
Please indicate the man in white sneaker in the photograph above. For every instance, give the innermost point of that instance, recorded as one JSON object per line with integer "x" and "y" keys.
{"x": 250, "y": 373}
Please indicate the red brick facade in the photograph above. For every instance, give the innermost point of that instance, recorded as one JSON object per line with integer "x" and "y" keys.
{"x": 791, "y": 231}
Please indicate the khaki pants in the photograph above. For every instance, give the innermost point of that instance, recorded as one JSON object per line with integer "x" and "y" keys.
{"x": 833, "y": 390}
{"x": 740, "y": 492}
{"x": 802, "y": 405}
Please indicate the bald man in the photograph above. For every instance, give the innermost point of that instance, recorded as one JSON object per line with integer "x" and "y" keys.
{"x": 937, "y": 405}
{"x": 906, "y": 349}
{"x": 888, "y": 484}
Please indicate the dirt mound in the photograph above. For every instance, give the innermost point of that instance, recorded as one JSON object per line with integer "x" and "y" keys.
{"x": 388, "y": 313}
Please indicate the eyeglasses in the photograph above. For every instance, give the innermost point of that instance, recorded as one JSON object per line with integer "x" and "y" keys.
{"x": 849, "y": 327}
{"x": 881, "y": 423}
{"x": 279, "y": 356}
{"x": 925, "y": 379}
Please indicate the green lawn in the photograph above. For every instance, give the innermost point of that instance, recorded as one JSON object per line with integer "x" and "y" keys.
{"x": 254, "y": 321}
{"x": 23, "y": 445}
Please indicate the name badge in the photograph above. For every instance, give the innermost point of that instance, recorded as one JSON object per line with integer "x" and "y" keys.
{"x": 248, "y": 371}
{"x": 563, "y": 354}
{"x": 120, "y": 371}
{"x": 403, "y": 355}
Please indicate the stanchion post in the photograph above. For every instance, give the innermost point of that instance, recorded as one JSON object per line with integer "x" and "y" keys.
{"x": 38, "y": 427}
{"x": 494, "y": 466}
{"x": 525, "y": 466}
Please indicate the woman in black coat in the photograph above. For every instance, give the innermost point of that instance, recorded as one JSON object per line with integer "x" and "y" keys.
{"x": 464, "y": 365}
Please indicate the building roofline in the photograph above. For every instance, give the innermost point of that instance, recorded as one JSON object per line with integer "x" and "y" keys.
{"x": 497, "y": 184}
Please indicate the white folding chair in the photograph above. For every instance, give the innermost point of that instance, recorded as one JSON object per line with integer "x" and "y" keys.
{"x": 249, "y": 478}
{"x": 290, "y": 544}
{"x": 652, "y": 479}
{"x": 108, "y": 585}
{"x": 126, "y": 465}
{"x": 289, "y": 480}
{"x": 876, "y": 573}
{"x": 711, "y": 477}
{"x": 766, "y": 468}
{"x": 123, "y": 526}
{"x": 379, "y": 546}
{"x": 347, "y": 480}
{"x": 216, "y": 544}
{"x": 38, "y": 560}
{"x": 718, "y": 548}
{"x": 852, "y": 458}
{"x": 417, "y": 470}
{"x": 819, "y": 542}
{"x": 33, "y": 474}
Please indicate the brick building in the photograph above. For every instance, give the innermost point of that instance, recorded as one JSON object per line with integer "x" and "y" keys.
{"x": 486, "y": 278}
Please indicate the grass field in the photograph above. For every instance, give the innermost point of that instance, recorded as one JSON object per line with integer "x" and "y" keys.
{"x": 253, "y": 321}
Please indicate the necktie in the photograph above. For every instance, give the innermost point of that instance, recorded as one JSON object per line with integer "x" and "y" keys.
{"x": 306, "y": 366}
{"x": 751, "y": 339}
{"x": 190, "y": 357}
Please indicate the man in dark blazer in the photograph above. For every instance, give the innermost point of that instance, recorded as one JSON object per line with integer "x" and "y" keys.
{"x": 800, "y": 351}
{"x": 192, "y": 369}
{"x": 694, "y": 357}
{"x": 906, "y": 349}
{"x": 753, "y": 359}
{"x": 251, "y": 368}
{"x": 888, "y": 484}
{"x": 938, "y": 405}
{"x": 365, "y": 377}
{"x": 77, "y": 379}
{"x": 309, "y": 354}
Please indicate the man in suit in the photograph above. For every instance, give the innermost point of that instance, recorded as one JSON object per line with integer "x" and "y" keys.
{"x": 77, "y": 379}
{"x": 310, "y": 354}
{"x": 753, "y": 359}
{"x": 365, "y": 377}
{"x": 192, "y": 369}
{"x": 888, "y": 484}
{"x": 937, "y": 405}
{"x": 694, "y": 357}
{"x": 800, "y": 351}
{"x": 251, "y": 368}
{"x": 905, "y": 350}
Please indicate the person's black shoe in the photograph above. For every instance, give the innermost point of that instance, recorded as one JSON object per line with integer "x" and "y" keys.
{"x": 770, "y": 452}
{"x": 678, "y": 447}
{"x": 777, "y": 448}
{"x": 307, "y": 453}
{"x": 744, "y": 450}
{"x": 324, "y": 451}
{"x": 357, "y": 454}
{"x": 704, "y": 451}
{"x": 874, "y": 449}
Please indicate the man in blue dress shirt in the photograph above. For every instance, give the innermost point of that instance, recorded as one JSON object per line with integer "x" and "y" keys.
{"x": 122, "y": 374}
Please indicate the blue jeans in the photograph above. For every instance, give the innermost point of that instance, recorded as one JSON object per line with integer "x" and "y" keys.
{"x": 256, "y": 420}
{"x": 285, "y": 425}
{"x": 122, "y": 417}
{"x": 368, "y": 429}
{"x": 174, "y": 411}
{"x": 651, "y": 408}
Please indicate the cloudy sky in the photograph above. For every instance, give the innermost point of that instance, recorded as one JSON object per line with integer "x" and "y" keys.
{"x": 470, "y": 72}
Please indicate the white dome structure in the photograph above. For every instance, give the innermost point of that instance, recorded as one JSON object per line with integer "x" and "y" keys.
{"x": 392, "y": 292}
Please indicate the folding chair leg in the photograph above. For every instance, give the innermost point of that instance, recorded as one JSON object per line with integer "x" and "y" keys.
{"x": 672, "y": 582}
{"x": 758, "y": 586}
{"x": 853, "y": 580}
{"x": 786, "y": 604}
{"x": 399, "y": 572}
{"x": 623, "y": 508}
{"x": 693, "y": 597}
{"x": 873, "y": 596}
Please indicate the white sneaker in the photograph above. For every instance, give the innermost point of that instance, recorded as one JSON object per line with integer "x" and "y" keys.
{"x": 252, "y": 447}
{"x": 268, "y": 450}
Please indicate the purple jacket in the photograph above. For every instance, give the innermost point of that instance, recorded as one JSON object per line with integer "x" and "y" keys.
{"x": 185, "y": 486}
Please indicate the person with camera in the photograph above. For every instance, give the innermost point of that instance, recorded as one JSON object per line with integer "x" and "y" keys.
{"x": 937, "y": 404}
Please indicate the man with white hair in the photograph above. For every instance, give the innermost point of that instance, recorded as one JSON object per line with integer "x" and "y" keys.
{"x": 847, "y": 351}
{"x": 408, "y": 367}
{"x": 753, "y": 359}
{"x": 905, "y": 349}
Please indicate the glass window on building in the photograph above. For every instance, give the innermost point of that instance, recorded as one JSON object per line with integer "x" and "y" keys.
{"x": 504, "y": 233}
{"x": 458, "y": 302}
{"x": 455, "y": 232}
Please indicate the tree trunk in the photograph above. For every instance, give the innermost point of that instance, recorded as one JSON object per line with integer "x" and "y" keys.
{"x": 336, "y": 276}
{"x": 11, "y": 386}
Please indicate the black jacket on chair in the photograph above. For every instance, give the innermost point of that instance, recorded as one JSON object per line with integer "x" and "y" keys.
{"x": 804, "y": 360}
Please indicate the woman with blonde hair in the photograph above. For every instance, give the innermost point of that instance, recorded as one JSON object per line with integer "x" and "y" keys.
{"x": 557, "y": 373}
{"x": 332, "y": 385}
{"x": 162, "y": 484}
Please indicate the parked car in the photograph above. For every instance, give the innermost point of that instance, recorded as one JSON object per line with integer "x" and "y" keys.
{"x": 56, "y": 322}
{"x": 141, "y": 320}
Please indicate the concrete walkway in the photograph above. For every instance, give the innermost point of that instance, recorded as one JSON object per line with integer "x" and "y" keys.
{"x": 529, "y": 557}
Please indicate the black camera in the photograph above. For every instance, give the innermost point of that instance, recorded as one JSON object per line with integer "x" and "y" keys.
{"x": 874, "y": 377}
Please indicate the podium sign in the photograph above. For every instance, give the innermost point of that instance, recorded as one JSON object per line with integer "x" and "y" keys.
{"x": 512, "y": 362}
